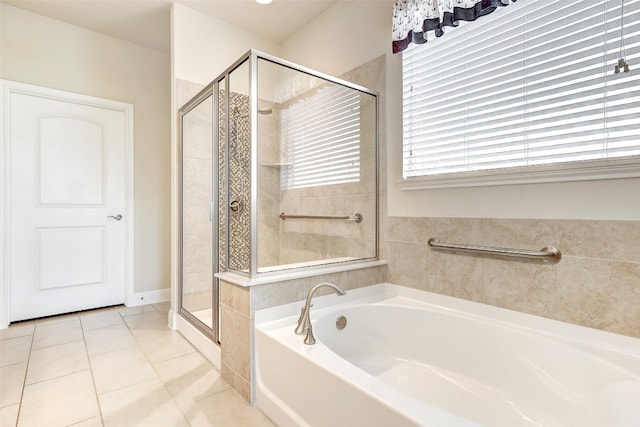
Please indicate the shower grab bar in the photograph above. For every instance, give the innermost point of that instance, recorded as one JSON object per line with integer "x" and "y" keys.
{"x": 357, "y": 218}
{"x": 548, "y": 254}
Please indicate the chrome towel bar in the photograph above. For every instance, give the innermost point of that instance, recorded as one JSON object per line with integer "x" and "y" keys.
{"x": 355, "y": 217}
{"x": 547, "y": 255}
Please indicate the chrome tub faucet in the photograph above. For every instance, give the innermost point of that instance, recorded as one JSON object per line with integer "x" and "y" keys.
{"x": 304, "y": 321}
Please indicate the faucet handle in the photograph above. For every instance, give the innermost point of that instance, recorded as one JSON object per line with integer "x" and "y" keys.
{"x": 303, "y": 320}
{"x": 310, "y": 339}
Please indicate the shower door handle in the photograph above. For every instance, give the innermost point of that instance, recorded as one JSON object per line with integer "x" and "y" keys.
{"x": 116, "y": 217}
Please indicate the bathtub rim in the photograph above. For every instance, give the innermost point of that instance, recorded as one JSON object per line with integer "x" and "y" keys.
{"x": 275, "y": 317}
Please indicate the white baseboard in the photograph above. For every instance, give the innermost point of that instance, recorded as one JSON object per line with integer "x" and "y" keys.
{"x": 149, "y": 297}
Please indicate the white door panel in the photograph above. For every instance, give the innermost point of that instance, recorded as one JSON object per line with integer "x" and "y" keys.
{"x": 67, "y": 175}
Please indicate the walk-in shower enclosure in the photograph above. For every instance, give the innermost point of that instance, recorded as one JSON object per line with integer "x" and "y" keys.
{"x": 278, "y": 172}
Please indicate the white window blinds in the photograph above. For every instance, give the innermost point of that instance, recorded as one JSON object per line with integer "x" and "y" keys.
{"x": 531, "y": 84}
{"x": 320, "y": 137}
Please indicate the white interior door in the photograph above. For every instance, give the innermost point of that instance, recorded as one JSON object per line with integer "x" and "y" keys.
{"x": 67, "y": 205}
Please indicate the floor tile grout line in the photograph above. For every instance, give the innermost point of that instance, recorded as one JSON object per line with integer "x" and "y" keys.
{"x": 26, "y": 371}
{"x": 153, "y": 367}
{"x": 93, "y": 380}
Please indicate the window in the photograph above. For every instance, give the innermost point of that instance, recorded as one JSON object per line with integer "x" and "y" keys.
{"x": 321, "y": 139}
{"x": 528, "y": 91}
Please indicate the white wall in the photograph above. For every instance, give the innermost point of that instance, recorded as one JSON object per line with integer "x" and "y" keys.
{"x": 50, "y": 53}
{"x": 352, "y": 32}
{"x": 203, "y": 47}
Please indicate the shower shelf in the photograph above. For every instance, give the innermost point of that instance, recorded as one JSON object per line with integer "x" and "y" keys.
{"x": 276, "y": 165}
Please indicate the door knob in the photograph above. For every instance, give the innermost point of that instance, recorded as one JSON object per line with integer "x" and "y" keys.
{"x": 116, "y": 217}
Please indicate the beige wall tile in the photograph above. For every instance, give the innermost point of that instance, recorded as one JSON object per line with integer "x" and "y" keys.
{"x": 526, "y": 287}
{"x": 235, "y": 297}
{"x": 457, "y": 276}
{"x": 275, "y": 294}
{"x": 600, "y": 294}
{"x": 457, "y": 230}
{"x": 401, "y": 229}
{"x": 616, "y": 240}
{"x": 533, "y": 234}
{"x": 408, "y": 264}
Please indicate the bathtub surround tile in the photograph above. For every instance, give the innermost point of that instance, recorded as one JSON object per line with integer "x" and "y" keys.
{"x": 57, "y": 361}
{"x": 408, "y": 264}
{"x": 235, "y": 339}
{"x": 273, "y": 294}
{"x": 59, "y": 402}
{"x": 532, "y": 234}
{"x": 235, "y": 326}
{"x": 600, "y": 294}
{"x": 456, "y": 276}
{"x": 360, "y": 278}
{"x": 593, "y": 284}
{"x": 408, "y": 229}
{"x": 235, "y": 297}
{"x": 614, "y": 240}
{"x": 457, "y": 230}
{"x": 526, "y": 287}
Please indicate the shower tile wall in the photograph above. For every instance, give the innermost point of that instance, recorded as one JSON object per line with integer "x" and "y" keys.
{"x": 594, "y": 285}
{"x": 269, "y": 169}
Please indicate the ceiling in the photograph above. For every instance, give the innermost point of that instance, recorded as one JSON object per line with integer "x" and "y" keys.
{"x": 146, "y": 22}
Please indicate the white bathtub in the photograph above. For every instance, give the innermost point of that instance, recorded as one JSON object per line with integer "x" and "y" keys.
{"x": 411, "y": 358}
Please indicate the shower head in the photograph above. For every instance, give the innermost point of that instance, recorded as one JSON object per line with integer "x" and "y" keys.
{"x": 265, "y": 111}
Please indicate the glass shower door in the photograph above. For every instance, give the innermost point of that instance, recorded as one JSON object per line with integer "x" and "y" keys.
{"x": 198, "y": 296}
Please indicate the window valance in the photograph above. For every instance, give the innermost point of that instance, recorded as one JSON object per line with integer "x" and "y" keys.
{"x": 412, "y": 19}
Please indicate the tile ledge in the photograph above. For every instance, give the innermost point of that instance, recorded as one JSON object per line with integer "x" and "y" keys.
{"x": 244, "y": 281}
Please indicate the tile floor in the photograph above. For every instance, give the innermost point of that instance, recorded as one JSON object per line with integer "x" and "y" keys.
{"x": 112, "y": 367}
